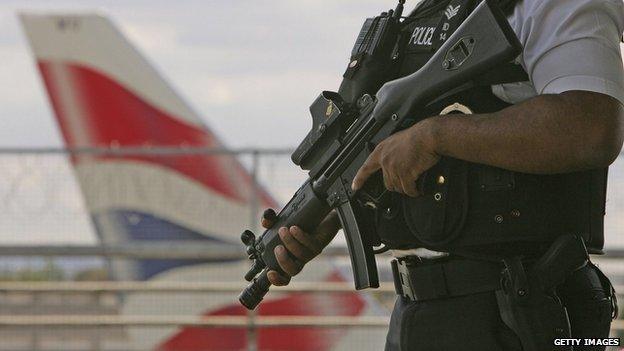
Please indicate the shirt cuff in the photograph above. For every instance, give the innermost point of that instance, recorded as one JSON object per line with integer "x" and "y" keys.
{"x": 584, "y": 83}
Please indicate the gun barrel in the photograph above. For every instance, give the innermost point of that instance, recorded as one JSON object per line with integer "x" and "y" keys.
{"x": 254, "y": 293}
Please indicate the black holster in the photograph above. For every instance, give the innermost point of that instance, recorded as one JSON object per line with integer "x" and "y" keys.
{"x": 528, "y": 302}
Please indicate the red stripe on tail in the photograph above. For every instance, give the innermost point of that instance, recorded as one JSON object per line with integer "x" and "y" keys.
{"x": 114, "y": 116}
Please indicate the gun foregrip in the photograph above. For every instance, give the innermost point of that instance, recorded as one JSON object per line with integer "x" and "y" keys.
{"x": 305, "y": 210}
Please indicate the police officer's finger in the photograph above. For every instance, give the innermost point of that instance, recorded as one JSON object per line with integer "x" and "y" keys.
{"x": 396, "y": 184}
{"x": 297, "y": 249}
{"x": 288, "y": 264}
{"x": 370, "y": 166}
{"x": 386, "y": 179}
{"x": 307, "y": 240}
{"x": 391, "y": 182}
{"x": 277, "y": 279}
{"x": 409, "y": 187}
{"x": 268, "y": 218}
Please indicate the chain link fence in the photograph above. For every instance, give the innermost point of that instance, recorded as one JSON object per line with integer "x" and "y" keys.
{"x": 67, "y": 282}
{"x": 124, "y": 292}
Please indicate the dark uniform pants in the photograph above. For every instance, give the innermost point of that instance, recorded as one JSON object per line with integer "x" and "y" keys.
{"x": 473, "y": 322}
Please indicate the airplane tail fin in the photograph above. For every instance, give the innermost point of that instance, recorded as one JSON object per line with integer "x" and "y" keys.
{"x": 104, "y": 93}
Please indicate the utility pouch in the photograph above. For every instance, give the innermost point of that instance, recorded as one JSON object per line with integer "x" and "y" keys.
{"x": 528, "y": 302}
{"x": 372, "y": 57}
{"x": 437, "y": 217}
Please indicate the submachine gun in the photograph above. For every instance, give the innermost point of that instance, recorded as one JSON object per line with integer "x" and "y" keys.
{"x": 344, "y": 134}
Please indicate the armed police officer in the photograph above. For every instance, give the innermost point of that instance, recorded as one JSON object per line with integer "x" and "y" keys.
{"x": 479, "y": 207}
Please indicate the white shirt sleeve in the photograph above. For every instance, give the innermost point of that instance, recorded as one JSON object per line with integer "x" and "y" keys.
{"x": 572, "y": 45}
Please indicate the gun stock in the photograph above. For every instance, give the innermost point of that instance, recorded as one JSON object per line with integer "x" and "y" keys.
{"x": 484, "y": 40}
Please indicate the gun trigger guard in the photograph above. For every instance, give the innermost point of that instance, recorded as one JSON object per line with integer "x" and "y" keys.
{"x": 373, "y": 194}
{"x": 370, "y": 201}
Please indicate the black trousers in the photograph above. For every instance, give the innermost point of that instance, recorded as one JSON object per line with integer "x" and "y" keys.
{"x": 473, "y": 322}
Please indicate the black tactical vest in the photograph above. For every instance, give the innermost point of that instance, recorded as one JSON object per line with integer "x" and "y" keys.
{"x": 473, "y": 208}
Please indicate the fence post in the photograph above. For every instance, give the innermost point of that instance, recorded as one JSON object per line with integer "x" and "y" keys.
{"x": 254, "y": 204}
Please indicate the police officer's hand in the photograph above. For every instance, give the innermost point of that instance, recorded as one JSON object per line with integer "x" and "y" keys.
{"x": 302, "y": 246}
{"x": 402, "y": 157}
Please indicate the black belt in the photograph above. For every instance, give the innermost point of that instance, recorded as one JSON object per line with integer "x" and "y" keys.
{"x": 444, "y": 278}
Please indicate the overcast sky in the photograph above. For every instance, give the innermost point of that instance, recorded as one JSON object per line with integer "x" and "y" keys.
{"x": 250, "y": 68}
{"x": 246, "y": 66}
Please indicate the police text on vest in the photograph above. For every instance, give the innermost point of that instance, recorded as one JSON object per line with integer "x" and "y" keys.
{"x": 422, "y": 36}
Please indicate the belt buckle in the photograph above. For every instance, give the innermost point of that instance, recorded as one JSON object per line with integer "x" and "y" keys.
{"x": 404, "y": 279}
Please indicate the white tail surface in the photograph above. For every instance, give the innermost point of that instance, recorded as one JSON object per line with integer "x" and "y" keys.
{"x": 106, "y": 94}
